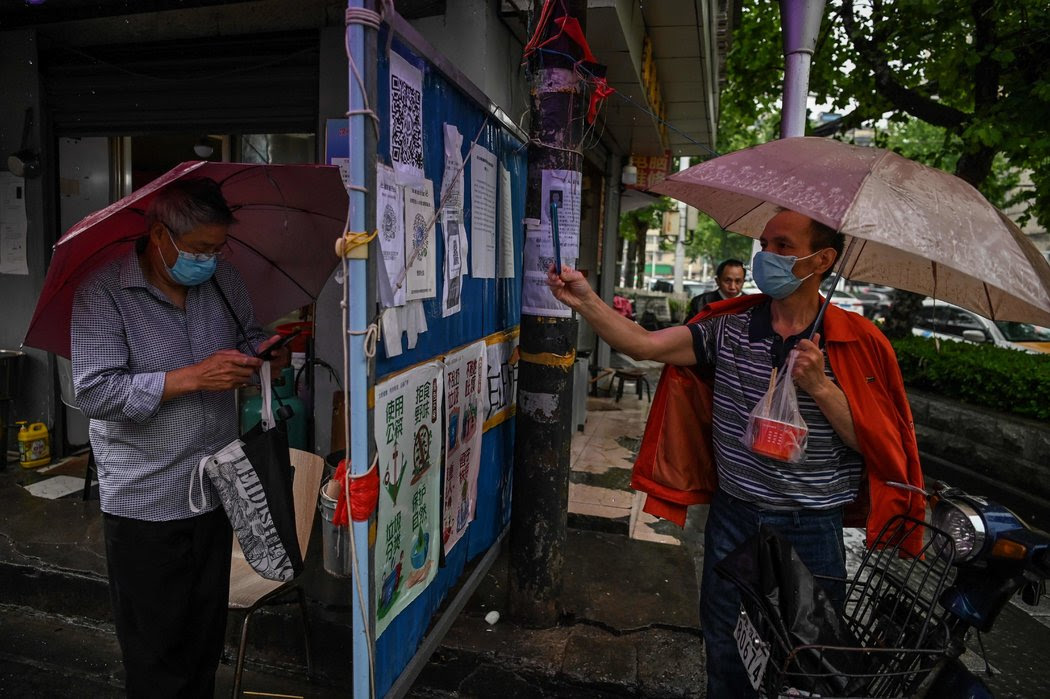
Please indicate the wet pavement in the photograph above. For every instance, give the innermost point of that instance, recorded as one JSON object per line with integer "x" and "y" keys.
{"x": 629, "y": 625}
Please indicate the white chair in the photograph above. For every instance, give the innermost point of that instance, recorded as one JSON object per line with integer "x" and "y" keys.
{"x": 248, "y": 590}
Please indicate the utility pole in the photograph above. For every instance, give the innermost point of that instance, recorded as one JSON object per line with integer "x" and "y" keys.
{"x": 547, "y": 345}
{"x": 679, "y": 248}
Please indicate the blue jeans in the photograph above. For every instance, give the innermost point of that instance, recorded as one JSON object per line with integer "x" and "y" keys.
{"x": 816, "y": 536}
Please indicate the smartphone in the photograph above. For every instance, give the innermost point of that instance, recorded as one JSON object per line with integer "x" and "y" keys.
{"x": 267, "y": 354}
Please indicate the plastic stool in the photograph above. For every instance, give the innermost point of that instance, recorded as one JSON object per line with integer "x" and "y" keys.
{"x": 636, "y": 375}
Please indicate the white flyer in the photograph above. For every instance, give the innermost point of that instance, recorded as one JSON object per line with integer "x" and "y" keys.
{"x": 452, "y": 179}
{"x": 390, "y": 222}
{"x": 483, "y": 178}
{"x": 13, "y": 225}
{"x": 464, "y": 380}
{"x": 408, "y": 436}
{"x": 536, "y": 296}
{"x": 406, "y": 120}
{"x": 506, "y": 226}
{"x": 452, "y": 291}
{"x": 562, "y": 187}
{"x": 420, "y": 280}
{"x": 391, "y": 331}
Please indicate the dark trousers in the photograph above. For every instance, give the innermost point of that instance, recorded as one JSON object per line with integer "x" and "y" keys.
{"x": 817, "y": 537}
{"x": 169, "y": 584}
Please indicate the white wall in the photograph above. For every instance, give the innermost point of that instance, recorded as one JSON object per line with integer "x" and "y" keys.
{"x": 474, "y": 38}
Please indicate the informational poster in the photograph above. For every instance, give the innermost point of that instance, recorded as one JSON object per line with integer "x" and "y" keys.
{"x": 506, "y": 226}
{"x": 501, "y": 376}
{"x": 452, "y": 178}
{"x": 536, "y": 296}
{"x": 406, "y": 121}
{"x": 420, "y": 252}
{"x": 390, "y": 222}
{"x": 455, "y": 268}
{"x": 13, "y": 225}
{"x": 484, "y": 175}
{"x": 464, "y": 388}
{"x": 408, "y": 438}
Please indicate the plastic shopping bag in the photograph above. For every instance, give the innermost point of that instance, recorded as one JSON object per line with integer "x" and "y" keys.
{"x": 775, "y": 427}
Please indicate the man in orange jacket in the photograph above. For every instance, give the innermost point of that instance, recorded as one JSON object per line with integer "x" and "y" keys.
{"x": 854, "y": 407}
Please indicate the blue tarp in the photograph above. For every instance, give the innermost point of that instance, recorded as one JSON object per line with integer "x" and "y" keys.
{"x": 489, "y": 306}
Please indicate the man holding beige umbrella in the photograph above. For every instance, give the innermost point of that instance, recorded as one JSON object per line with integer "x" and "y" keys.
{"x": 744, "y": 340}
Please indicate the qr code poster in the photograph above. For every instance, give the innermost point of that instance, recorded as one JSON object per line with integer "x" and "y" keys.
{"x": 406, "y": 121}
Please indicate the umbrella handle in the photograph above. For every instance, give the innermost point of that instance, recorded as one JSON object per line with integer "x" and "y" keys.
{"x": 554, "y": 237}
{"x": 834, "y": 285}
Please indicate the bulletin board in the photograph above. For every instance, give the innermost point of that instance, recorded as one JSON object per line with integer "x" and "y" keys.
{"x": 486, "y": 322}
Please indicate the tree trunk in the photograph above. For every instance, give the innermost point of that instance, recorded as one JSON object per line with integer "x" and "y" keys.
{"x": 547, "y": 354}
{"x": 639, "y": 233}
{"x": 901, "y": 318}
{"x": 629, "y": 277}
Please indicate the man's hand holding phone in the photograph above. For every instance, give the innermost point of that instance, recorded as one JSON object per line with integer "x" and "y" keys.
{"x": 276, "y": 351}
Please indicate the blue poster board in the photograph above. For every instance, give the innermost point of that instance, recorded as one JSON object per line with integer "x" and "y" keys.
{"x": 489, "y": 307}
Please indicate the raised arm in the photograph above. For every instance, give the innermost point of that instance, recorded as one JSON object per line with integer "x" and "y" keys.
{"x": 673, "y": 345}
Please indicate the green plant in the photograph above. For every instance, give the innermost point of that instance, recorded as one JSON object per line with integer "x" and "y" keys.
{"x": 1001, "y": 379}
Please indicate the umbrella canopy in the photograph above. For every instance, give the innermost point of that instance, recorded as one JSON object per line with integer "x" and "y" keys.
{"x": 288, "y": 217}
{"x": 917, "y": 228}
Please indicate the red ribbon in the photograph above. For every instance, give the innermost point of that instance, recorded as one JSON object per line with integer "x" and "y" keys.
{"x": 598, "y": 95}
{"x": 571, "y": 26}
{"x": 364, "y": 495}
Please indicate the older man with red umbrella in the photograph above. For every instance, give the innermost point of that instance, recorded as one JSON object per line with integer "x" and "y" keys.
{"x": 161, "y": 338}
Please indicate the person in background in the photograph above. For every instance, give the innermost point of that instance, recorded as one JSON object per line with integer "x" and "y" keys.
{"x": 850, "y": 395}
{"x": 729, "y": 278}
{"x": 157, "y": 358}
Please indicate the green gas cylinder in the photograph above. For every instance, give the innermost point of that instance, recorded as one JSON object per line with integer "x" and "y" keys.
{"x": 283, "y": 389}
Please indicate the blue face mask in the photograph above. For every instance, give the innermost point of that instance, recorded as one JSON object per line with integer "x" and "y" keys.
{"x": 191, "y": 269}
{"x": 773, "y": 275}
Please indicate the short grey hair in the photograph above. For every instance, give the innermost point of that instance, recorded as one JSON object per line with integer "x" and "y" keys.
{"x": 185, "y": 204}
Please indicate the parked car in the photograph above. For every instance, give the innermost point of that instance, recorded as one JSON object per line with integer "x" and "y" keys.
{"x": 847, "y": 301}
{"x": 949, "y": 322}
{"x": 690, "y": 287}
{"x": 876, "y": 303}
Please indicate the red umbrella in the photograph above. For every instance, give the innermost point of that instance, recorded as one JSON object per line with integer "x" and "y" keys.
{"x": 288, "y": 217}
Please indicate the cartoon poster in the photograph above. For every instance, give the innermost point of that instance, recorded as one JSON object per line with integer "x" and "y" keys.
{"x": 484, "y": 174}
{"x": 406, "y": 121}
{"x": 420, "y": 253}
{"x": 464, "y": 382}
{"x": 408, "y": 436}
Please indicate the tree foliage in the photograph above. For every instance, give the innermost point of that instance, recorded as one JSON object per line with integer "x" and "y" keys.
{"x": 978, "y": 72}
{"x": 964, "y": 85}
{"x": 634, "y": 225}
{"x": 712, "y": 243}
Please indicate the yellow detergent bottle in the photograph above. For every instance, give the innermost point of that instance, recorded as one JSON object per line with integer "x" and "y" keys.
{"x": 34, "y": 447}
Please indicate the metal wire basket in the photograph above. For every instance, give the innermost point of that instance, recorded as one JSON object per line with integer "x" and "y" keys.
{"x": 892, "y": 610}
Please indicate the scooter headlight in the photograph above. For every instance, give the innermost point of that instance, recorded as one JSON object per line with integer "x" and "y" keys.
{"x": 963, "y": 524}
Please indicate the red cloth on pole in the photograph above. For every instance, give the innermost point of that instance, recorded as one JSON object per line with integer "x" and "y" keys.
{"x": 364, "y": 495}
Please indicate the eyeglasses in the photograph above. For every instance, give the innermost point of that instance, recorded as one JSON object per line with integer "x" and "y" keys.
{"x": 223, "y": 251}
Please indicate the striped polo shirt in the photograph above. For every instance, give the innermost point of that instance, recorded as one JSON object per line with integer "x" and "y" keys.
{"x": 744, "y": 349}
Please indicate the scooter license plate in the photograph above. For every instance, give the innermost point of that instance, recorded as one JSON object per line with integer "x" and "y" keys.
{"x": 754, "y": 652}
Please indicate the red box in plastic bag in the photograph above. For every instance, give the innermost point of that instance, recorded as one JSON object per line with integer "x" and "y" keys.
{"x": 778, "y": 440}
